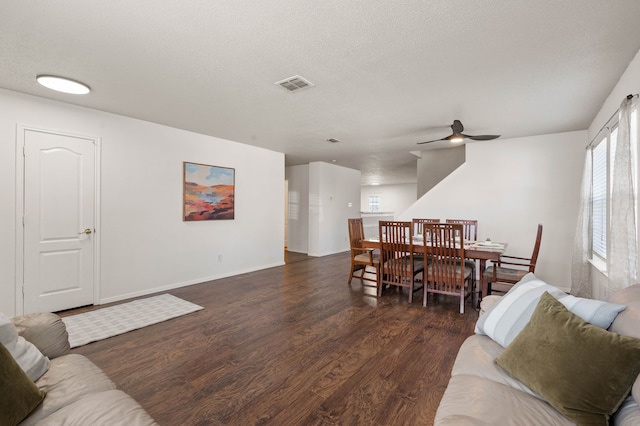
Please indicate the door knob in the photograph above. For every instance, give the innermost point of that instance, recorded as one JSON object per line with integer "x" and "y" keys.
{"x": 86, "y": 231}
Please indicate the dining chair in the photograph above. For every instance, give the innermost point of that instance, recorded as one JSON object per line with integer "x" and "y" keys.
{"x": 418, "y": 225}
{"x": 510, "y": 269}
{"x": 469, "y": 232}
{"x": 362, "y": 257}
{"x": 398, "y": 266}
{"x": 469, "y": 228}
{"x": 446, "y": 272}
{"x": 418, "y": 229}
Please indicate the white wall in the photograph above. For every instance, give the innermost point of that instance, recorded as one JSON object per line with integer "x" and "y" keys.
{"x": 393, "y": 198}
{"x": 145, "y": 245}
{"x": 511, "y": 185}
{"x": 436, "y": 164}
{"x": 298, "y": 232}
{"x": 629, "y": 84}
{"x": 334, "y": 197}
{"x": 322, "y": 197}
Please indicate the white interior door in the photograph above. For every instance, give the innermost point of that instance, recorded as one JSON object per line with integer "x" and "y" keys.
{"x": 59, "y": 221}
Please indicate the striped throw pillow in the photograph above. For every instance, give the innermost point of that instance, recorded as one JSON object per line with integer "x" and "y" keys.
{"x": 503, "y": 321}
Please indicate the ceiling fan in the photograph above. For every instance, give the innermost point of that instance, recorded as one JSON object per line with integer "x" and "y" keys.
{"x": 458, "y": 136}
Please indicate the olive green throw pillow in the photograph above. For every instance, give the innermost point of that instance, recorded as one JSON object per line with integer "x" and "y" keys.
{"x": 583, "y": 371}
{"x": 18, "y": 394}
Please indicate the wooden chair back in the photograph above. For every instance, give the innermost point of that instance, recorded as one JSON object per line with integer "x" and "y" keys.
{"x": 395, "y": 243}
{"x": 510, "y": 269}
{"x": 469, "y": 228}
{"x": 397, "y": 266}
{"x": 361, "y": 258}
{"x": 536, "y": 249}
{"x": 445, "y": 273}
{"x": 418, "y": 224}
{"x": 356, "y": 233}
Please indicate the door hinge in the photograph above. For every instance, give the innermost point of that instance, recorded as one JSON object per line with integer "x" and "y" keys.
{"x": 24, "y": 151}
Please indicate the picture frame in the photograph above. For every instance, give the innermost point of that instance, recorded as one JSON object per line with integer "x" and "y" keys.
{"x": 208, "y": 192}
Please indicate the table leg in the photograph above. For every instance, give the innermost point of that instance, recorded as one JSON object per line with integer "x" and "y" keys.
{"x": 483, "y": 285}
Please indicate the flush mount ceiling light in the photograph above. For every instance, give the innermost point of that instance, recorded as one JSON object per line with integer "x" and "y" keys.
{"x": 64, "y": 85}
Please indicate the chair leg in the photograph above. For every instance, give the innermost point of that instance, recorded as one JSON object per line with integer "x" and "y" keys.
{"x": 424, "y": 293}
{"x": 465, "y": 285}
{"x": 351, "y": 271}
{"x": 474, "y": 282}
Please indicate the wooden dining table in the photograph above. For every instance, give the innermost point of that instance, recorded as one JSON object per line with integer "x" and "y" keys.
{"x": 474, "y": 250}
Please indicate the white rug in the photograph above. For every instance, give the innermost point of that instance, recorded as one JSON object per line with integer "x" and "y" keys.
{"x": 107, "y": 322}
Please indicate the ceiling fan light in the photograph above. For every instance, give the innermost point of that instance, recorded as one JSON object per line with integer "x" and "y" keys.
{"x": 64, "y": 85}
{"x": 456, "y": 139}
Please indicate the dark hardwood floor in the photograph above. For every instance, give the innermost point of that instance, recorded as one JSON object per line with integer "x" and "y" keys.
{"x": 291, "y": 345}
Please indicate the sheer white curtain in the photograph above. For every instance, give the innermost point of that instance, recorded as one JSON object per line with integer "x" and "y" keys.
{"x": 580, "y": 267}
{"x": 623, "y": 251}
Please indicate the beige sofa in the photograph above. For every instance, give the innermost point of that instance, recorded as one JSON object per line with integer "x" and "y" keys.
{"x": 481, "y": 393}
{"x": 78, "y": 392}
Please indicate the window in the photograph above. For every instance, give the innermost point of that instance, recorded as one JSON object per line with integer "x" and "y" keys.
{"x": 599, "y": 200}
{"x": 374, "y": 203}
{"x": 603, "y": 154}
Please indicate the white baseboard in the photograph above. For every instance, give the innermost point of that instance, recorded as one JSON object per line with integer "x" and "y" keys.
{"x": 145, "y": 292}
{"x": 328, "y": 253}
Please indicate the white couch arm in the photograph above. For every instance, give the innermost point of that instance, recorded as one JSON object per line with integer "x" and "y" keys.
{"x": 46, "y": 331}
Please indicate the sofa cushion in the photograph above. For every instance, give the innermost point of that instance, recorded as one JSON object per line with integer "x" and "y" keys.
{"x": 474, "y": 401}
{"x": 477, "y": 357}
{"x": 366, "y": 257}
{"x": 46, "y": 331}
{"x": 26, "y": 354}
{"x": 107, "y": 408}
{"x": 69, "y": 378}
{"x": 627, "y": 322}
{"x": 505, "y": 319}
{"x": 18, "y": 394}
{"x": 584, "y": 371}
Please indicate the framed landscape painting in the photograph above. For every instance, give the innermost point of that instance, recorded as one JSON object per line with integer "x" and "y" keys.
{"x": 209, "y": 192}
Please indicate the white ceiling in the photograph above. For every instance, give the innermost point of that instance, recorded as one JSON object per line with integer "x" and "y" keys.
{"x": 387, "y": 74}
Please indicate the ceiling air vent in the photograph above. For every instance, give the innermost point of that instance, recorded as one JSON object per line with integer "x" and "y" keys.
{"x": 295, "y": 83}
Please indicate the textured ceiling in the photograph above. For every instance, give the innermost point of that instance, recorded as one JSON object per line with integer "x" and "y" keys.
{"x": 387, "y": 74}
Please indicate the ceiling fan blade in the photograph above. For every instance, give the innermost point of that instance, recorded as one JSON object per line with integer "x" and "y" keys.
{"x": 435, "y": 140}
{"x": 457, "y": 127}
{"x": 482, "y": 137}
